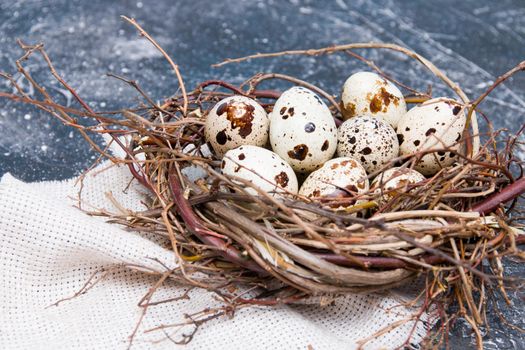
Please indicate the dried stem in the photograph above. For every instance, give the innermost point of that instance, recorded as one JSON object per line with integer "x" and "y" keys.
{"x": 168, "y": 58}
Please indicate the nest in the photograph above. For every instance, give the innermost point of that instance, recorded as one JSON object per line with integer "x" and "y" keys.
{"x": 452, "y": 230}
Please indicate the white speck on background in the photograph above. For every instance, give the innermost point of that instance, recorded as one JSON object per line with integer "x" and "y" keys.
{"x": 341, "y": 4}
{"x": 305, "y": 10}
{"x": 134, "y": 49}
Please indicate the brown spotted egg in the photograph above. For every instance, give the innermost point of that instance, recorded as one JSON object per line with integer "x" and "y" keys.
{"x": 369, "y": 93}
{"x": 435, "y": 124}
{"x": 338, "y": 179}
{"x": 369, "y": 140}
{"x": 236, "y": 121}
{"x": 395, "y": 180}
{"x": 302, "y": 129}
{"x": 262, "y": 168}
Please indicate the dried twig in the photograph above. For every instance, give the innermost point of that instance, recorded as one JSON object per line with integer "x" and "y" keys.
{"x": 168, "y": 58}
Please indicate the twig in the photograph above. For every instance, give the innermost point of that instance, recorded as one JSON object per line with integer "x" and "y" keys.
{"x": 508, "y": 193}
{"x": 256, "y": 80}
{"x": 168, "y": 58}
{"x": 208, "y": 237}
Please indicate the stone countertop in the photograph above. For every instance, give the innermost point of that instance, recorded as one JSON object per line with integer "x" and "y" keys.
{"x": 473, "y": 41}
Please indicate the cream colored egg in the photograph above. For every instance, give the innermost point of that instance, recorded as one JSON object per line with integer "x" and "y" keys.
{"x": 369, "y": 93}
{"x": 338, "y": 179}
{"x": 369, "y": 140}
{"x": 236, "y": 121}
{"x": 436, "y": 124}
{"x": 262, "y": 168}
{"x": 395, "y": 180}
{"x": 302, "y": 130}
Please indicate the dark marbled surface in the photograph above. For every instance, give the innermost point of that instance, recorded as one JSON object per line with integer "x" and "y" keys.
{"x": 473, "y": 41}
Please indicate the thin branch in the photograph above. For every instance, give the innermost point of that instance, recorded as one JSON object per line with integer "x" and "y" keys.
{"x": 168, "y": 58}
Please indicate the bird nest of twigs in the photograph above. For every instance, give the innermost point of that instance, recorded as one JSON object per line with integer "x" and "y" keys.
{"x": 455, "y": 227}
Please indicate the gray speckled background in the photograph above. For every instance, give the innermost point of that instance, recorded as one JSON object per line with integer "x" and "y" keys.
{"x": 473, "y": 41}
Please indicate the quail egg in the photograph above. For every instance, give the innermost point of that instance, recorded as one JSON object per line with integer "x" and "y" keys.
{"x": 195, "y": 172}
{"x": 394, "y": 180}
{"x": 236, "y": 121}
{"x": 338, "y": 179}
{"x": 435, "y": 124}
{"x": 262, "y": 168}
{"x": 370, "y": 140}
{"x": 302, "y": 130}
{"x": 369, "y": 93}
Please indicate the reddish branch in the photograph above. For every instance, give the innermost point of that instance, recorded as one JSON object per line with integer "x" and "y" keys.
{"x": 256, "y": 93}
{"x": 195, "y": 227}
{"x": 273, "y": 94}
{"x": 221, "y": 83}
{"x": 510, "y": 192}
{"x": 139, "y": 177}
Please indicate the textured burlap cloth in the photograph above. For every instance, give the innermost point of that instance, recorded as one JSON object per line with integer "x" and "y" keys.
{"x": 49, "y": 249}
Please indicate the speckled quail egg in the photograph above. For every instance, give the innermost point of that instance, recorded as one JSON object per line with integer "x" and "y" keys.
{"x": 302, "y": 129}
{"x": 338, "y": 179}
{"x": 261, "y": 167}
{"x": 369, "y": 93}
{"x": 236, "y": 121}
{"x": 435, "y": 124}
{"x": 394, "y": 180}
{"x": 370, "y": 140}
{"x": 195, "y": 172}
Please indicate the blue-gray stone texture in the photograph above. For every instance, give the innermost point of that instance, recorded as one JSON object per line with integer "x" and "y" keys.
{"x": 473, "y": 41}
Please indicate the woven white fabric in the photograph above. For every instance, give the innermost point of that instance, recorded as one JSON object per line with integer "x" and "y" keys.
{"x": 49, "y": 249}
